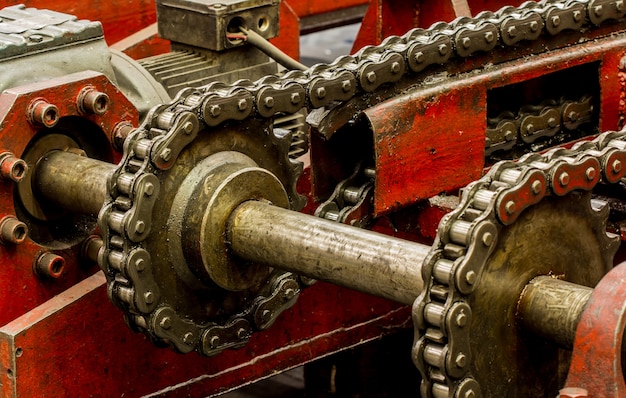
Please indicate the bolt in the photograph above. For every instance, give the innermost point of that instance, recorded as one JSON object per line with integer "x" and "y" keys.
{"x": 12, "y": 168}
{"x": 573, "y": 116}
{"x": 616, "y": 166}
{"x": 573, "y": 392}
{"x": 395, "y": 67}
{"x": 289, "y": 294}
{"x": 269, "y": 102}
{"x": 551, "y": 122}
{"x": 466, "y": 42}
{"x": 509, "y": 135}
{"x": 214, "y": 342}
{"x": 443, "y": 49}
{"x": 487, "y": 238}
{"x": 461, "y": 361}
{"x": 598, "y": 10}
{"x": 346, "y": 86}
{"x": 166, "y": 154}
{"x": 188, "y": 338}
{"x": 470, "y": 277}
{"x": 241, "y": 333}
{"x": 461, "y": 320}
{"x": 166, "y": 322}
{"x": 36, "y": 38}
{"x": 321, "y": 92}
{"x": 536, "y": 187}
{"x": 419, "y": 57}
{"x": 149, "y": 189}
{"x": 530, "y": 128}
{"x": 487, "y": 141}
{"x": 534, "y": 26}
{"x": 590, "y": 173}
{"x": 93, "y": 101}
{"x": 215, "y": 110}
{"x": 140, "y": 265}
{"x": 188, "y": 128}
{"x": 371, "y": 77}
{"x": 564, "y": 179}
{"x": 12, "y": 231}
{"x": 489, "y": 37}
{"x": 295, "y": 98}
{"x": 140, "y": 227}
{"x": 577, "y": 15}
{"x": 556, "y": 20}
{"x": 44, "y": 113}
{"x": 242, "y": 105}
{"x": 512, "y": 31}
{"x": 148, "y": 297}
{"x": 266, "y": 316}
{"x": 510, "y": 207}
{"x": 49, "y": 265}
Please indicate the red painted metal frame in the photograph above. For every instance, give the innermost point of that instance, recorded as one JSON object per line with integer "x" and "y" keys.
{"x": 597, "y": 356}
{"x": 421, "y": 150}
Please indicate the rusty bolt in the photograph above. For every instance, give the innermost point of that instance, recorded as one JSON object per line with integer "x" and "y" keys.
{"x": 188, "y": 338}
{"x": 573, "y": 116}
{"x": 509, "y": 135}
{"x": 530, "y": 128}
{"x": 49, "y": 265}
{"x": 536, "y": 187}
{"x": 573, "y": 392}
{"x": 510, "y": 207}
{"x": 12, "y": 168}
{"x": 564, "y": 179}
{"x": 289, "y": 294}
{"x": 93, "y": 101}
{"x": 590, "y": 173}
{"x": 12, "y": 231}
{"x": 43, "y": 113}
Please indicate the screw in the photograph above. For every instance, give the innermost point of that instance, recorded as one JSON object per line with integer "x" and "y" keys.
{"x": 295, "y": 98}
{"x": 346, "y": 86}
{"x": 12, "y": 231}
{"x": 188, "y": 338}
{"x": 148, "y": 297}
{"x": 44, "y": 113}
{"x": 215, "y": 110}
{"x": 590, "y": 173}
{"x": 242, "y": 104}
{"x": 321, "y": 92}
{"x": 371, "y": 77}
{"x": 510, "y": 207}
{"x": 93, "y": 101}
{"x": 470, "y": 277}
{"x": 564, "y": 179}
{"x": 556, "y": 20}
{"x": 140, "y": 227}
{"x": 12, "y": 168}
{"x": 461, "y": 360}
{"x": 269, "y": 102}
{"x": 395, "y": 67}
{"x": 536, "y": 187}
{"x": 419, "y": 57}
{"x": 166, "y": 323}
{"x": 166, "y": 154}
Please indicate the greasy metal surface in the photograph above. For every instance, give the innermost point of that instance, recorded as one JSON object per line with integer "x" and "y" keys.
{"x": 320, "y": 249}
{"x": 515, "y": 363}
{"x": 597, "y": 358}
{"x": 551, "y": 308}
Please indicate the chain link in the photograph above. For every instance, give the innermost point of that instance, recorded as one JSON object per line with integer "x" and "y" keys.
{"x": 125, "y": 220}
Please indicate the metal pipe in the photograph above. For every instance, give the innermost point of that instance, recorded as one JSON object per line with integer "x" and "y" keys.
{"x": 347, "y": 256}
{"x": 551, "y": 308}
{"x": 73, "y": 182}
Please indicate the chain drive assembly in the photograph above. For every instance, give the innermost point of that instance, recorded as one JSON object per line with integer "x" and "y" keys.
{"x": 152, "y": 148}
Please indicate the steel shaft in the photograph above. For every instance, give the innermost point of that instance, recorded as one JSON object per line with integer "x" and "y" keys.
{"x": 351, "y": 257}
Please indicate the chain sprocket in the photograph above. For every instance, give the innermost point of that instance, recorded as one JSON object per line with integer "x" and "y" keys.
{"x": 360, "y": 80}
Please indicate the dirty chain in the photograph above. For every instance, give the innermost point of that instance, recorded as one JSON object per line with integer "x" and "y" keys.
{"x": 125, "y": 220}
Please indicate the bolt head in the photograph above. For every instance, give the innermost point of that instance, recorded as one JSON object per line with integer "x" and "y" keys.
{"x": 536, "y": 187}
{"x": 616, "y": 166}
{"x": 188, "y": 128}
{"x": 470, "y": 277}
{"x": 466, "y": 42}
{"x": 241, "y": 333}
{"x": 320, "y": 92}
{"x": 509, "y": 135}
{"x": 371, "y": 77}
{"x": 395, "y": 67}
{"x": 140, "y": 265}
{"x": 419, "y": 57}
{"x": 215, "y": 110}
{"x": 489, "y": 37}
{"x": 140, "y": 227}
{"x": 149, "y": 189}
{"x": 295, "y": 98}
{"x": 148, "y": 297}
{"x": 346, "y": 86}
{"x": 577, "y": 15}
{"x": 269, "y": 102}
{"x": 214, "y": 342}
{"x": 564, "y": 179}
{"x": 443, "y": 49}
{"x": 556, "y": 20}
{"x": 461, "y": 320}
{"x": 166, "y": 323}
{"x": 461, "y": 360}
{"x": 289, "y": 294}
{"x": 534, "y": 26}
{"x": 188, "y": 338}
{"x": 266, "y": 315}
{"x": 242, "y": 105}
{"x": 512, "y": 31}
{"x": 590, "y": 173}
{"x": 166, "y": 154}
{"x": 487, "y": 238}
{"x": 598, "y": 10}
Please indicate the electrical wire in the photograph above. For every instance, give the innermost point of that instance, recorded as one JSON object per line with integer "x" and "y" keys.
{"x": 268, "y": 48}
